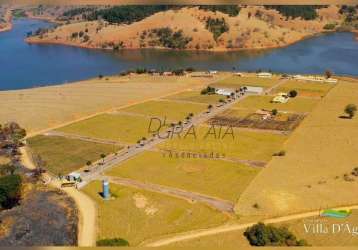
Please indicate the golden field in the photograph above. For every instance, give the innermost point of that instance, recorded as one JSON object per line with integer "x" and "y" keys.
{"x": 318, "y": 154}
{"x": 137, "y": 215}
{"x": 47, "y": 107}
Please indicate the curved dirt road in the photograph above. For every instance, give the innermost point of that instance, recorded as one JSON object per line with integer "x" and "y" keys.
{"x": 86, "y": 206}
{"x": 228, "y": 228}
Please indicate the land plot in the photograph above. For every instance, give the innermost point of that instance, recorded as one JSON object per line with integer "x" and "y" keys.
{"x": 304, "y": 88}
{"x": 195, "y": 96}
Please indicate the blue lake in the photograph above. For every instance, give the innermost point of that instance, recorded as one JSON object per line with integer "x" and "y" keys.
{"x": 24, "y": 66}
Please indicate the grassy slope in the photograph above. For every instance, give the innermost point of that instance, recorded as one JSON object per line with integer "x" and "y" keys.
{"x": 64, "y": 155}
{"x": 322, "y": 148}
{"x": 296, "y": 104}
{"x": 124, "y": 128}
{"x": 217, "y": 178}
{"x": 245, "y": 145}
{"x": 122, "y": 218}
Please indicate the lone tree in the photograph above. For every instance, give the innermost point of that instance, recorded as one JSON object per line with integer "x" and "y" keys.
{"x": 350, "y": 110}
{"x": 103, "y": 156}
{"x": 328, "y": 73}
{"x": 293, "y": 93}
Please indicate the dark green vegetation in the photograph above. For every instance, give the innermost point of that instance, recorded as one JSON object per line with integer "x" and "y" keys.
{"x": 351, "y": 16}
{"x": 113, "y": 242}
{"x": 208, "y": 91}
{"x": 306, "y": 12}
{"x": 128, "y": 13}
{"x": 350, "y": 110}
{"x": 18, "y": 13}
{"x": 231, "y": 10}
{"x": 267, "y": 235}
{"x": 83, "y": 11}
{"x": 217, "y": 26}
{"x": 168, "y": 38}
{"x": 10, "y": 191}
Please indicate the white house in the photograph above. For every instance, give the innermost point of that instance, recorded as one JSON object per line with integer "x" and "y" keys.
{"x": 280, "y": 98}
{"x": 238, "y": 74}
{"x": 264, "y": 75}
{"x": 331, "y": 80}
{"x": 226, "y": 92}
{"x": 254, "y": 90}
{"x": 74, "y": 176}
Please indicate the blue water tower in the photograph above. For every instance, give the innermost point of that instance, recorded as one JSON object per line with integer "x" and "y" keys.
{"x": 105, "y": 185}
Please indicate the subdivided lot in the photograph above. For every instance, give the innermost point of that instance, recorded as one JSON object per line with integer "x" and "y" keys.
{"x": 63, "y": 155}
{"x": 174, "y": 111}
{"x": 227, "y": 142}
{"x": 297, "y": 104}
{"x": 137, "y": 215}
{"x": 304, "y": 88}
{"x": 195, "y": 96}
{"x": 124, "y": 128}
{"x": 280, "y": 122}
{"x": 236, "y": 82}
{"x": 218, "y": 178}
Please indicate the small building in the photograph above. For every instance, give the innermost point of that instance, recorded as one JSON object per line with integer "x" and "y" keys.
{"x": 331, "y": 80}
{"x": 225, "y": 92}
{"x": 74, "y": 176}
{"x": 281, "y": 98}
{"x": 213, "y": 72}
{"x": 264, "y": 114}
{"x": 254, "y": 90}
{"x": 167, "y": 73}
{"x": 264, "y": 75}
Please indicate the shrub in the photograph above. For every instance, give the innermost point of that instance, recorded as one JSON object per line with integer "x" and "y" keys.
{"x": 280, "y": 153}
{"x": 267, "y": 235}
{"x": 231, "y": 10}
{"x": 208, "y": 91}
{"x": 306, "y": 12}
{"x": 10, "y": 191}
{"x": 293, "y": 93}
{"x": 113, "y": 242}
{"x": 329, "y": 26}
{"x": 217, "y": 26}
{"x": 350, "y": 110}
{"x": 274, "y": 112}
{"x": 170, "y": 39}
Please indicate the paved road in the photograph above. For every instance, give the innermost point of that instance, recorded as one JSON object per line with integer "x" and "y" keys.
{"x": 229, "y": 228}
{"x": 115, "y": 159}
{"x": 221, "y": 205}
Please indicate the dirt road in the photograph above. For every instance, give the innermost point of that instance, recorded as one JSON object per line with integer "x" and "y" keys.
{"x": 221, "y": 205}
{"x": 86, "y": 207}
{"x": 229, "y": 228}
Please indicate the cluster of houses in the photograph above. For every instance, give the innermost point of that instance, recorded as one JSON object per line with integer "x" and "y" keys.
{"x": 314, "y": 79}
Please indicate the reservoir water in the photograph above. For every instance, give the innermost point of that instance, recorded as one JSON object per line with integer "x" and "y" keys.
{"x": 25, "y": 66}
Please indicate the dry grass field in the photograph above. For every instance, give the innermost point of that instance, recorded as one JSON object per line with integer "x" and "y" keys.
{"x": 247, "y": 80}
{"x": 318, "y": 155}
{"x": 305, "y": 88}
{"x": 40, "y": 108}
{"x": 63, "y": 155}
{"x": 195, "y": 96}
{"x": 171, "y": 110}
{"x": 119, "y": 127}
{"x": 137, "y": 215}
{"x": 297, "y": 104}
{"x": 218, "y": 178}
{"x": 246, "y": 145}
{"x": 4, "y": 160}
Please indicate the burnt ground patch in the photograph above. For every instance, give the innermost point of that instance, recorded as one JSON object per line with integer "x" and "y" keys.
{"x": 286, "y": 122}
{"x": 44, "y": 218}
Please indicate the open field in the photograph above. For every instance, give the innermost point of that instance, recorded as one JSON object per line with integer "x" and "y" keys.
{"x": 4, "y": 160}
{"x": 118, "y": 127}
{"x": 40, "y": 108}
{"x": 251, "y": 80}
{"x": 318, "y": 155}
{"x": 137, "y": 215}
{"x": 305, "y": 88}
{"x": 195, "y": 96}
{"x": 234, "y": 240}
{"x": 218, "y": 178}
{"x": 171, "y": 110}
{"x": 63, "y": 155}
{"x": 245, "y": 145}
{"x": 297, "y": 104}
